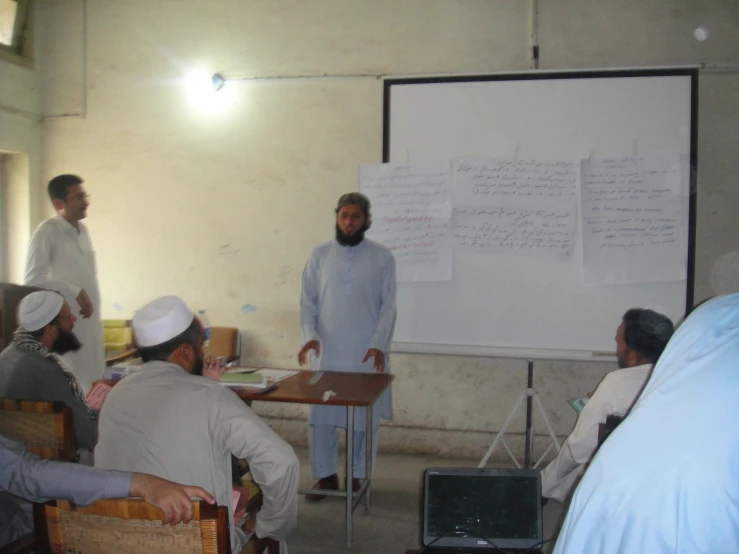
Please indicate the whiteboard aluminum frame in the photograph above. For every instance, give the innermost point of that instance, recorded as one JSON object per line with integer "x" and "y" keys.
{"x": 548, "y": 354}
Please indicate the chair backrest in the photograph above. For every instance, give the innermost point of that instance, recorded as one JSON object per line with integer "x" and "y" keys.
{"x": 46, "y": 428}
{"x": 128, "y": 525}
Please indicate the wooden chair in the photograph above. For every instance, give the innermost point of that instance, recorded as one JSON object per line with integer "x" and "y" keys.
{"x": 128, "y": 525}
{"x": 47, "y": 430}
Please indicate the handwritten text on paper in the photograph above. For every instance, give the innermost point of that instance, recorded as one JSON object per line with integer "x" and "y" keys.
{"x": 498, "y": 230}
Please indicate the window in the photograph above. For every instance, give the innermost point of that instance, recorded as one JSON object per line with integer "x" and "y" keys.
{"x": 8, "y": 11}
{"x": 15, "y": 28}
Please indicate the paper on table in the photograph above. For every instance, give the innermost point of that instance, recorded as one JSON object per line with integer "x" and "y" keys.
{"x": 241, "y": 369}
{"x": 229, "y": 377}
{"x": 276, "y": 374}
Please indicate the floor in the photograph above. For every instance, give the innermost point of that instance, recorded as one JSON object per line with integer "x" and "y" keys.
{"x": 392, "y": 526}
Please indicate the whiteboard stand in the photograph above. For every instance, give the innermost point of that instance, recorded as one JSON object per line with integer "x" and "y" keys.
{"x": 531, "y": 396}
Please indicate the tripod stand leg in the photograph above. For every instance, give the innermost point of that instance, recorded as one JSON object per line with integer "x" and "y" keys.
{"x": 529, "y": 442}
{"x": 502, "y": 432}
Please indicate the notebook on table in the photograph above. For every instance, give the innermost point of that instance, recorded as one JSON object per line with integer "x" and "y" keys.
{"x": 476, "y": 511}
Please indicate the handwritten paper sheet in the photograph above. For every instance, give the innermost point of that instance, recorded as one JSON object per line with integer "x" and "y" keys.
{"x": 510, "y": 183}
{"x": 543, "y": 233}
{"x": 634, "y": 220}
{"x": 525, "y": 207}
{"x": 407, "y": 189}
{"x": 422, "y": 246}
{"x": 411, "y": 215}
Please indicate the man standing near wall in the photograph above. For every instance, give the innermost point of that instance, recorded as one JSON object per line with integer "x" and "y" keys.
{"x": 61, "y": 258}
{"x": 347, "y": 317}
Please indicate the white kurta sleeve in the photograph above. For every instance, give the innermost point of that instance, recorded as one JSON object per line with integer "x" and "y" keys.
{"x": 386, "y": 322}
{"x": 38, "y": 265}
{"x": 560, "y": 475}
{"x": 309, "y": 301}
{"x": 272, "y": 462}
{"x": 583, "y": 440}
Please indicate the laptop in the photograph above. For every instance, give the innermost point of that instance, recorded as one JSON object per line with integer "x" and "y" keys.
{"x": 476, "y": 511}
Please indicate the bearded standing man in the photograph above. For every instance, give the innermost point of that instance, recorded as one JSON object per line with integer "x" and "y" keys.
{"x": 347, "y": 316}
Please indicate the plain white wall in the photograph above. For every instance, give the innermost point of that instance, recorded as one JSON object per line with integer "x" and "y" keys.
{"x": 224, "y": 209}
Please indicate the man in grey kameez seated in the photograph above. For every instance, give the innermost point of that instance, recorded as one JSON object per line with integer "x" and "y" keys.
{"x": 169, "y": 420}
{"x": 31, "y": 367}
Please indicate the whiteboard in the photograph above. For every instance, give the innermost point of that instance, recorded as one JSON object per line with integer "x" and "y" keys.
{"x": 525, "y": 307}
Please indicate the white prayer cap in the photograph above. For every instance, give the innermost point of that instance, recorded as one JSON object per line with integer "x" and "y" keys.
{"x": 161, "y": 320}
{"x": 38, "y": 309}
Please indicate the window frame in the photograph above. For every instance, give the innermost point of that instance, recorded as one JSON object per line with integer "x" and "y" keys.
{"x": 21, "y": 49}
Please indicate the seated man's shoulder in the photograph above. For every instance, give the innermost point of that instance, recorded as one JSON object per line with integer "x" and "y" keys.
{"x": 626, "y": 374}
{"x": 13, "y": 358}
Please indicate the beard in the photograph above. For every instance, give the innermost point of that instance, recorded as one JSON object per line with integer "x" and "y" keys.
{"x": 65, "y": 342}
{"x": 197, "y": 368}
{"x": 350, "y": 240}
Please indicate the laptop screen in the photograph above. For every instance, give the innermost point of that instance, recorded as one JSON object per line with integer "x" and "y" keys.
{"x": 472, "y": 505}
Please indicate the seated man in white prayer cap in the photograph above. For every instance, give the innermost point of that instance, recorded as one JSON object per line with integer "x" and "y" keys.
{"x": 170, "y": 421}
{"x": 640, "y": 339}
{"x": 31, "y": 367}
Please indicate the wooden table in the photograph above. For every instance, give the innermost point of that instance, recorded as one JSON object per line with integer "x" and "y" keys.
{"x": 353, "y": 390}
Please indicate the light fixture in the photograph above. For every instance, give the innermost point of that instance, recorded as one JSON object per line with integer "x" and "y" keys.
{"x": 218, "y": 81}
{"x": 207, "y": 93}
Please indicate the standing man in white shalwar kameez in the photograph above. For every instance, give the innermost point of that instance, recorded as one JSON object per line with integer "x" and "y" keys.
{"x": 665, "y": 481}
{"x": 169, "y": 420}
{"x": 347, "y": 317}
{"x": 640, "y": 339}
{"x": 61, "y": 258}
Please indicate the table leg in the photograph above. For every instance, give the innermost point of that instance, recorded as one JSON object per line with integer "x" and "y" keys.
{"x": 349, "y": 472}
{"x": 368, "y": 464}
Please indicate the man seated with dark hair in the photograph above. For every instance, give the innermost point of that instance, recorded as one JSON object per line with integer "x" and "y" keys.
{"x": 640, "y": 339}
{"x": 31, "y": 367}
{"x": 169, "y": 420}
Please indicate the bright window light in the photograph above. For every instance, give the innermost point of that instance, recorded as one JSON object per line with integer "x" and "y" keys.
{"x": 8, "y": 11}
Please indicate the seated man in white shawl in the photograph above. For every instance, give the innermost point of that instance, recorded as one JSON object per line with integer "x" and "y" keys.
{"x": 666, "y": 480}
{"x": 168, "y": 420}
{"x": 640, "y": 339}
